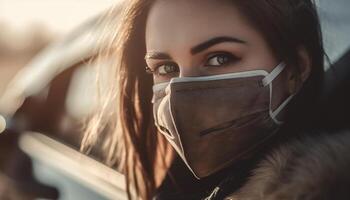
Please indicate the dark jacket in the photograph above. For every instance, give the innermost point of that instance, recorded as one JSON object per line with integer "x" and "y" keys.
{"x": 312, "y": 168}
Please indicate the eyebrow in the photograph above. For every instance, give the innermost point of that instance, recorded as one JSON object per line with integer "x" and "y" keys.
{"x": 196, "y": 49}
{"x": 157, "y": 56}
{"x": 207, "y": 44}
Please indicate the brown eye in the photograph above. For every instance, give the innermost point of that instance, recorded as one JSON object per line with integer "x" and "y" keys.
{"x": 167, "y": 69}
{"x": 220, "y": 59}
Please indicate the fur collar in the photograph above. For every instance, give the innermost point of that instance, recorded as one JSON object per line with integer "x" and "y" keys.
{"x": 314, "y": 168}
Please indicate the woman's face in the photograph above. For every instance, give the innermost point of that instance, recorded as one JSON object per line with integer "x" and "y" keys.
{"x": 202, "y": 37}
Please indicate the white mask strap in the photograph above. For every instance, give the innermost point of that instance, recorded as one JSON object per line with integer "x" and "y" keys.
{"x": 274, "y": 113}
{"x": 268, "y": 81}
{"x": 275, "y": 72}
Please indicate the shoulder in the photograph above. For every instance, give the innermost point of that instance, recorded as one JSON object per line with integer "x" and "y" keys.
{"x": 311, "y": 168}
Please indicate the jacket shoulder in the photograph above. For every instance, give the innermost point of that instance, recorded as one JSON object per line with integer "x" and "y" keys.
{"x": 312, "y": 168}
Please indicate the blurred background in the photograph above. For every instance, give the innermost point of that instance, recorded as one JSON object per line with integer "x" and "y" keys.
{"x": 47, "y": 51}
{"x": 29, "y": 26}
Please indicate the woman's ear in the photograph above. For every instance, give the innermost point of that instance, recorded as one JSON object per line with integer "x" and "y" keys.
{"x": 297, "y": 77}
{"x": 305, "y": 64}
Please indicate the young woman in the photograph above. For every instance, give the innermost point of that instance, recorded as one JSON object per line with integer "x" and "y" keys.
{"x": 221, "y": 82}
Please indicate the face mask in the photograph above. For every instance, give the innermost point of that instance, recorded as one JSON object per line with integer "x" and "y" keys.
{"x": 211, "y": 121}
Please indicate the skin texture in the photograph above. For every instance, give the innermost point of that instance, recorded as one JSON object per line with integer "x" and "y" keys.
{"x": 175, "y": 30}
{"x": 174, "y": 27}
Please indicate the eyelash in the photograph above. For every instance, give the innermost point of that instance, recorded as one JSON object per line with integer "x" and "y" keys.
{"x": 155, "y": 71}
{"x": 230, "y": 59}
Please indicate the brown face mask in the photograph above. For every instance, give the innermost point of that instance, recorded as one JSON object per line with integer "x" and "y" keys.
{"x": 212, "y": 121}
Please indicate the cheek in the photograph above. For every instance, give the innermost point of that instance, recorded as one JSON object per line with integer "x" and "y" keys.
{"x": 260, "y": 59}
{"x": 259, "y": 55}
{"x": 160, "y": 79}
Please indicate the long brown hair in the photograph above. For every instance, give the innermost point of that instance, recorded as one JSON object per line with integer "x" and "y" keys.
{"x": 124, "y": 119}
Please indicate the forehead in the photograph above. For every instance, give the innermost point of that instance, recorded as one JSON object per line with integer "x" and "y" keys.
{"x": 181, "y": 23}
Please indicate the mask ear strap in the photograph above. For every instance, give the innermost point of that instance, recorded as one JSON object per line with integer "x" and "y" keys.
{"x": 268, "y": 81}
{"x": 274, "y": 113}
{"x": 275, "y": 72}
